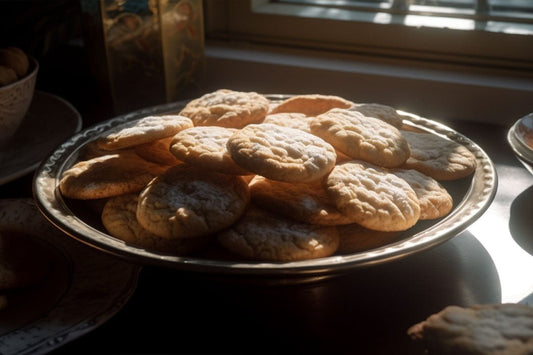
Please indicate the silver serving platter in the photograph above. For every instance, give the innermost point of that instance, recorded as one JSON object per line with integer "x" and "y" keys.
{"x": 81, "y": 220}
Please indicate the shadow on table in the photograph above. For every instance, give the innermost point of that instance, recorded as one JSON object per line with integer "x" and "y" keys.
{"x": 521, "y": 220}
{"x": 367, "y": 310}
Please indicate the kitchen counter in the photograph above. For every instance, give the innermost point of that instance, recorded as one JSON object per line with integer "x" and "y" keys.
{"x": 365, "y": 311}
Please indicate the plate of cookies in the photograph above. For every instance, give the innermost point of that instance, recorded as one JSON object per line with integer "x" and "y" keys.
{"x": 245, "y": 183}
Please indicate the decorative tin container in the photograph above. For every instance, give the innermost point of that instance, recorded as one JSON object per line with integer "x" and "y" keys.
{"x": 145, "y": 52}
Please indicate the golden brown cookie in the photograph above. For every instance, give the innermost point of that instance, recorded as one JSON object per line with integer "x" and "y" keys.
{"x": 362, "y": 137}
{"x": 227, "y": 108}
{"x": 108, "y": 175}
{"x": 142, "y": 131}
{"x": 489, "y": 329}
{"x": 187, "y": 202}
{"x": 290, "y": 119}
{"x": 373, "y": 197}
{"x": 157, "y": 151}
{"x": 205, "y": 147}
{"x": 119, "y": 217}
{"x": 434, "y": 199}
{"x": 7, "y": 75}
{"x": 438, "y": 157}
{"x": 259, "y": 235}
{"x": 311, "y": 104}
{"x": 16, "y": 59}
{"x": 383, "y": 112}
{"x": 356, "y": 238}
{"x": 281, "y": 153}
{"x": 302, "y": 202}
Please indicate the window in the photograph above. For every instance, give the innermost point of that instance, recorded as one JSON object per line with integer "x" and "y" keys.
{"x": 495, "y": 34}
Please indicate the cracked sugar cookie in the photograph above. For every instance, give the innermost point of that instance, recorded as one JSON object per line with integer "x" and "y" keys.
{"x": 281, "y": 153}
{"x": 361, "y": 137}
{"x": 157, "y": 151}
{"x": 206, "y": 147}
{"x": 290, "y": 119}
{"x": 187, "y": 202}
{"x": 259, "y": 235}
{"x": 145, "y": 130}
{"x": 227, "y": 108}
{"x": 120, "y": 220}
{"x": 302, "y": 202}
{"x": 108, "y": 175}
{"x": 373, "y": 197}
{"x": 434, "y": 199}
{"x": 490, "y": 329}
{"x": 383, "y": 112}
{"x": 311, "y": 104}
{"x": 438, "y": 157}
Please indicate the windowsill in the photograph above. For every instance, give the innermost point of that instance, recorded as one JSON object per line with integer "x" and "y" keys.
{"x": 383, "y": 17}
{"x": 442, "y": 92}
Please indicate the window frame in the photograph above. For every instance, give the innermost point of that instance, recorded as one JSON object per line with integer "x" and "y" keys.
{"x": 467, "y": 44}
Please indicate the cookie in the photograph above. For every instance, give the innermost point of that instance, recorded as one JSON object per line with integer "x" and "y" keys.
{"x": 383, "y": 112}
{"x": 23, "y": 260}
{"x": 259, "y": 235}
{"x": 206, "y": 147}
{"x": 281, "y": 153}
{"x": 306, "y": 203}
{"x": 187, "y": 202}
{"x": 434, "y": 199}
{"x": 361, "y": 137}
{"x": 311, "y": 104}
{"x": 503, "y": 329}
{"x": 354, "y": 238}
{"x": 373, "y": 197}
{"x": 142, "y": 131}
{"x": 120, "y": 220}
{"x": 438, "y": 157}
{"x": 157, "y": 151}
{"x": 108, "y": 175}
{"x": 227, "y": 108}
{"x": 290, "y": 119}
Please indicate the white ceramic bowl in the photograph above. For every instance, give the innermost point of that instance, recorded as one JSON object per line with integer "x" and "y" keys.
{"x": 15, "y": 99}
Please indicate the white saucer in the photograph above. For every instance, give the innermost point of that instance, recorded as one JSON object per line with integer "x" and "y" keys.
{"x": 50, "y": 120}
{"x": 84, "y": 288}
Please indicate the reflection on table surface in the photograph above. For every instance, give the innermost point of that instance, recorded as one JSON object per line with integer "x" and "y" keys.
{"x": 368, "y": 310}
{"x": 365, "y": 311}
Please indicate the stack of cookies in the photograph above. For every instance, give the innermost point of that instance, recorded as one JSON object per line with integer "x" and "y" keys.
{"x": 295, "y": 179}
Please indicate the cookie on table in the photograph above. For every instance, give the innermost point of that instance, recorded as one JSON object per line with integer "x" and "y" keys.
{"x": 120, "y": 220}
{"x": 438, "y": 157}
{"x": 490, "y": 329}
{"x": 144, "y": 130}
{"x": 383, "y": 112}
{"x": 206, "y": 147}
{"x": 227, "y": 108}
{"x": 281, "y": 153}
{"x": 23, "y": 260}
{"x": 355, "y": 238}
{"x": 108, "y": 175}
{"x": 361, "y": 137}
{"x": 157, "y": 151}
{"x": 302, "y": 202}
{"x": 188, "y": 201}
{"x": 262, "y": 236}
{"x": 311, "y": 104}
{"x": 372, "y": 196}
{"x": 434, "y": 199}
{"x": 290, "y": 119}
